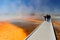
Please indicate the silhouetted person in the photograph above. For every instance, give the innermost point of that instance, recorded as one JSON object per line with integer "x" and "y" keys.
{"x": 47, "y": 17}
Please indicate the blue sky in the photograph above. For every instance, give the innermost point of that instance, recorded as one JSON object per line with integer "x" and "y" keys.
{"x": 28, "y": 6}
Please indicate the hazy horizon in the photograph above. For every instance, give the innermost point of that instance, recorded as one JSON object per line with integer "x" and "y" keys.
{"x": 24, "y": 8}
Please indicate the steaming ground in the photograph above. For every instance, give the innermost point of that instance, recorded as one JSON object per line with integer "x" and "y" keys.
{"x": 30, "y": 24}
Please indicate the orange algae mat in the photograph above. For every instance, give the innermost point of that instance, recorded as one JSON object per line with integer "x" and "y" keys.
{"x": 11, "y": 32}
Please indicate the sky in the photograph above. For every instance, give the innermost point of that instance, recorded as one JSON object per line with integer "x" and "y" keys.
{"x": 29, "y": 6}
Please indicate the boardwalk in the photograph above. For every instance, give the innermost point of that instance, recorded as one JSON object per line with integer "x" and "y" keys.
{"x": 43, "y": 32}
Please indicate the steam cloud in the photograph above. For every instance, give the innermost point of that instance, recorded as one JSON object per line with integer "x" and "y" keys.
{"x": 28, "y": 6}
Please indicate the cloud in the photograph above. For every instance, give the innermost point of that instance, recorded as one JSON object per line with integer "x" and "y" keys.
{"x": 22, "y": 8}
{"x": 29, "y": 6}
{"x": 43, "y": 6}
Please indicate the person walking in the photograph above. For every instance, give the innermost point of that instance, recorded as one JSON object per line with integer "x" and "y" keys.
{"x": 47, "y": 18}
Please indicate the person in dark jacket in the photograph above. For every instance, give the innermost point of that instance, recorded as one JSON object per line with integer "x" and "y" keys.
{"x": 47, "y": 17}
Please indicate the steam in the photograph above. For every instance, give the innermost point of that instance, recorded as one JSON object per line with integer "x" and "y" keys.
{"x": 29, "y": 6}
{"x": 20, "y": 8}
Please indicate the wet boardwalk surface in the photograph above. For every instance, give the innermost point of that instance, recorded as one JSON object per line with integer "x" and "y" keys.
{"x": 44, "y": 31}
